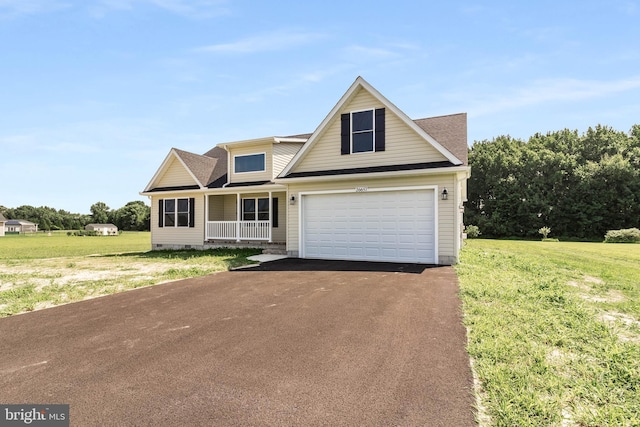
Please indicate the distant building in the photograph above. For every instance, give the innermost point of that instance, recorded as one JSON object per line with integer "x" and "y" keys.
{"x": 103, "y": 229}
{"x": 3, "y": 220}
{"x": 20, "y": 226}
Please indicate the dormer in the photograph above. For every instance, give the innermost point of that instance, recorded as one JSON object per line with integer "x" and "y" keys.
{"x": 260, "y": 160}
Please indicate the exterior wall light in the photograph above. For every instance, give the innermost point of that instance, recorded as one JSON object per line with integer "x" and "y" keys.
{"x": 445, "y": 194}
{"x": 292, "y": 200}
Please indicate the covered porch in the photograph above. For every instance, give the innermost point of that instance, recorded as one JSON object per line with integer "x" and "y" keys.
{"x": 246, "y": 216}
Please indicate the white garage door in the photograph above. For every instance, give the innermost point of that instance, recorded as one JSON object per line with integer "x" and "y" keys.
{"x": 396, "y": 226}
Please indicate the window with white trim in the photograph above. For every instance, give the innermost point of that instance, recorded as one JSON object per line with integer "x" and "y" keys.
{"x": 257, "y": 209}
{"x": 362, "y": 125}
{"x": 362, "y": 131}
{"x": 176, "y": 212}
{"x": 249, "y": 163}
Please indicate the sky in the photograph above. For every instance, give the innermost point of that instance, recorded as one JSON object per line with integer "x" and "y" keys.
{"x": 95, "y": 93}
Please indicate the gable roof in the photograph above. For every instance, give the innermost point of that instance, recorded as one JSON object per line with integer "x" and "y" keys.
{"x": 357, "y": 84}
{"x": 446, "y": 134}
{"x": 2, "y": 218}
{"x": 199, "y": 166}
{"x": 101, "y": 225}
{"x": 207, "y": 170}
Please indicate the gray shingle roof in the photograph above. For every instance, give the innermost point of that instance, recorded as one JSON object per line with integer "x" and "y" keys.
{"x": 19, "y": 222}
{"x": 210, "y": 168}
{"x": 450, "y": 131}
{"x": 200, "y": 166}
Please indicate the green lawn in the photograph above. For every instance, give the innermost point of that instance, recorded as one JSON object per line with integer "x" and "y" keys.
{"x": 58, "y": 244}
{"x": 39, "y": 271}
{"x": 554, "y": 331}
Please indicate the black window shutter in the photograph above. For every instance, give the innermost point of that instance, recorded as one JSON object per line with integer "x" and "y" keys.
{"x": 345, "y": 134}
{"x": 192, "y": 212}
{"x": 161, "y": 213}
{"x": 380, "y": 129}
{"x": 274, "y": 212}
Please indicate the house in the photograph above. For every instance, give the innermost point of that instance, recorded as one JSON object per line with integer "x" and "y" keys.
{"x": 103, "y": 229}
{"x": 3, "y": 220}
{"x": 20, "y": 226}
{"x": 369, "y": 184}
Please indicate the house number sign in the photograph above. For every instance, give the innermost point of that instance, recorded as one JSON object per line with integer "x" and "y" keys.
{"x": 362, "y": 189}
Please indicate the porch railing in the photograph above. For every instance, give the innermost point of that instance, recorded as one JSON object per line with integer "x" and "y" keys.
{"x": 239, "y": 230}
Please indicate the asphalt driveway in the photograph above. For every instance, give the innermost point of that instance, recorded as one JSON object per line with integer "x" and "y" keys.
{"x": 291, "y": 342}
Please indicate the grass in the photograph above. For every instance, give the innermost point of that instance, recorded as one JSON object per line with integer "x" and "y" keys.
{"x": 58, "y": 244}
{"x": 554, "y": 331}
{"x": 40, "y": 271}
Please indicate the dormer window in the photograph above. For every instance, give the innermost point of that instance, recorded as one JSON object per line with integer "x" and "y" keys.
{"x": 249, "y": 163}
{"x": 363, "y": 131}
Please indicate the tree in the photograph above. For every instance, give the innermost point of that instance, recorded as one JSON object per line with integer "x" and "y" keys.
{"x": 134, "y": 216}
{"x": 581, "y": 185}
{"x": 99, "y": 213}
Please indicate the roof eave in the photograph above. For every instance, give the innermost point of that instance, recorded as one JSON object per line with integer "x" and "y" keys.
{"x": 346, "y": 177}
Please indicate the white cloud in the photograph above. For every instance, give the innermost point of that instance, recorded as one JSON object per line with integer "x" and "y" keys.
{"x": 29, "y": 7}
{"x": 188, "y": 8}
{"x": 552, "y": 90}
{"x": 629, "y": 7}
{"x": 279, "y": 40}
{"x": 369, "y": 53}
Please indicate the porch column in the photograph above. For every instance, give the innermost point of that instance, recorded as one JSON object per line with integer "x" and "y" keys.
{"x": 206, "y": 217}
{"x": 238, "y": 217}
{"x": 270, "y": 216}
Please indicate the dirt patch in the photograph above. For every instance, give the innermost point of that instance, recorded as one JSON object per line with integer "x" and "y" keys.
{"x": 611, "y": 296}
{"x": 595, "y": 280}
{"x": 626, "y": 327}
{"x": 44, "y": 283}
{"x": 59, "y": 272}
{"x": 580, "y": 286}
{"x": 590, "y": 294}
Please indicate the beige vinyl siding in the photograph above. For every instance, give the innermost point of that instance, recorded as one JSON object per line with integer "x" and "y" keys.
{"x": 448, "y": 213}
{"x": 178, "y": 236}
{"x": 282, "y": 155}
{"x": 216, "y": 208}
{"x": 265, "y": 148}
{"x": 230, "y": 207}
{"x": 175, "y": 175}
{"x": 280, "y": 234}
{"x": 402, "y": 144}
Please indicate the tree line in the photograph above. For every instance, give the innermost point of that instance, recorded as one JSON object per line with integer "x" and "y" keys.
{"x": 134, "y": 216}
{"x": 578, "y": 185}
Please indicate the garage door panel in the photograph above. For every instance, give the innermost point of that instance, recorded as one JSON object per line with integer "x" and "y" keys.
{"x": 376, "y": 226}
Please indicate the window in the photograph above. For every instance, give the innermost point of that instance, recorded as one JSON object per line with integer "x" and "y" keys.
{"x": 183, "y": 212}
{"x": 248, "y": 209}
{"x": 258, "y": 210}
{"x": 363, "y": 131}
{"x": 249, "y": 163}
{"x": 170, "y": 213}
{"x": 176, "y": 213}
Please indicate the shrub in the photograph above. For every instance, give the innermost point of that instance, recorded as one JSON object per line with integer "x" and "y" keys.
{"x": 627, "y": 235}
{"x": 472, "y": 231}
{"x": 82, "y": 233}
{"x": 545, "y": 232}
